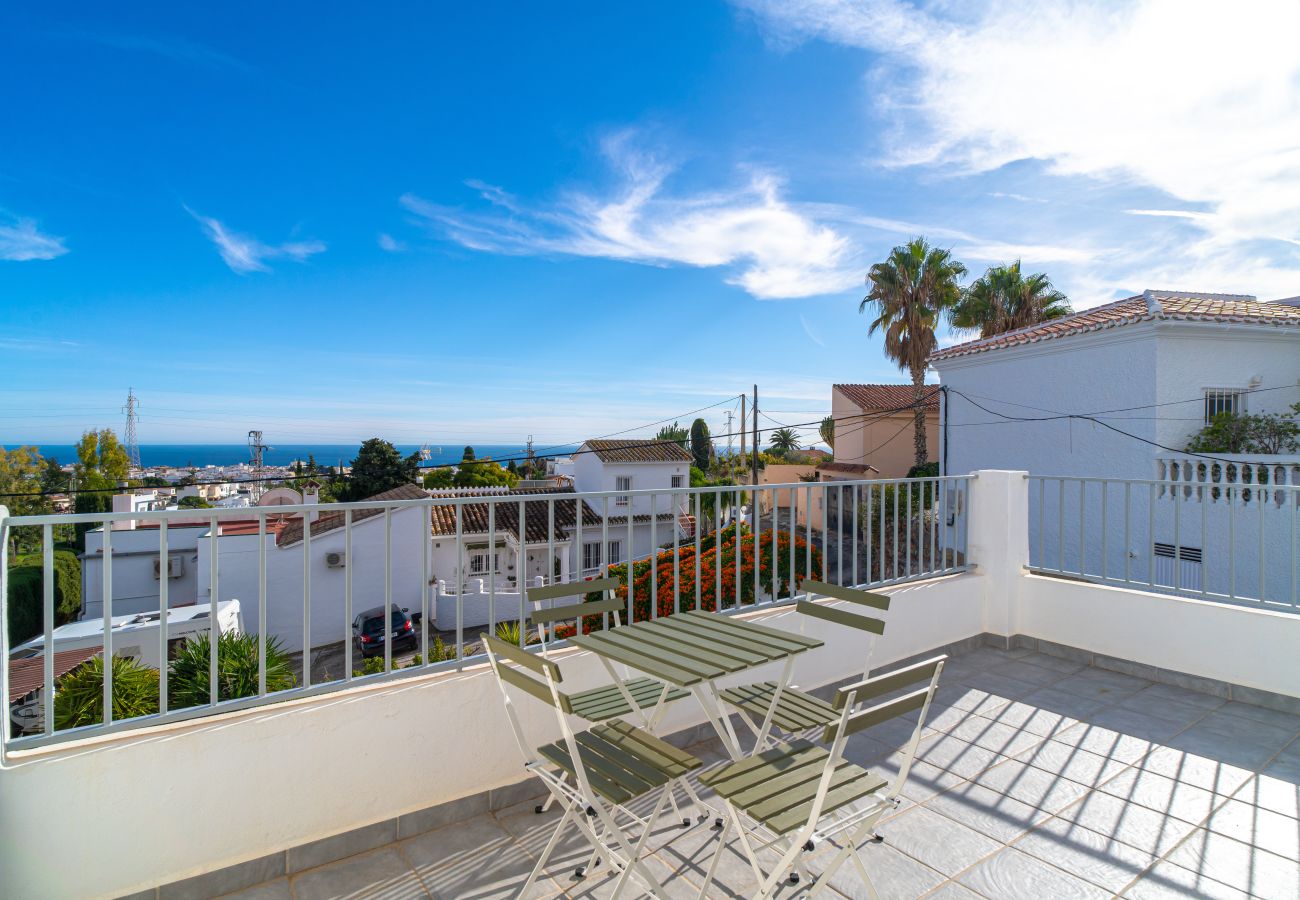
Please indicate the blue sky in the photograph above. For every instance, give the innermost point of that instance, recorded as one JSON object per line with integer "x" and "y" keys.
{"x": 444, "y": 224}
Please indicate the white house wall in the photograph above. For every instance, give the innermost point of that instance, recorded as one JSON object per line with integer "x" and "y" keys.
{"x": 238, "y": 577}
{"x": 134, "y": 588}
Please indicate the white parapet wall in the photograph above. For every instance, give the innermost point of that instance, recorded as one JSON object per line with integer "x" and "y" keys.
{"x": 156, "y": 806}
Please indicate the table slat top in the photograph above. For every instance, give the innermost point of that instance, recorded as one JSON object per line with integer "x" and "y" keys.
{"x": 693, "y": 647}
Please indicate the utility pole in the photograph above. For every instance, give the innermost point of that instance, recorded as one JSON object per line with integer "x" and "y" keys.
{"x": 754, "y": 464}
{"x": 742, "y": 427}
{"x": 730, "y": 416}
{"x": 132, "y": 442}
{"x": 530, "y": 456}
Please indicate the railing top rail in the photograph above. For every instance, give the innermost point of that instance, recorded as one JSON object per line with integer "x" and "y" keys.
{"x": 200, "y": 516}
{"x": 1165, "y": 482}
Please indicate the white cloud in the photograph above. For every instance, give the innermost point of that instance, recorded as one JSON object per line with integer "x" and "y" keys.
{"x": 22, "y": 240}
{"x": 771, "y": 248}
{"x": 1199, "y": 100}
{"x": 244, "y": 253}
{"x": 807, "y": 329}
{"x": 391, "y": 244}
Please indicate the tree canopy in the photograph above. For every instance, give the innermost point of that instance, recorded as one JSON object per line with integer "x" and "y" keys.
{"x": 378, "y": 467}
{"x": 701, "y": 444}
{"x": 827, "y": 431}
{"x": 99, "y": 453}
{"x": 674, "y": 432}
{"x": 783, "y": 440}
{"x": 1003, "y": 299}
{"x": 909, "y": 292}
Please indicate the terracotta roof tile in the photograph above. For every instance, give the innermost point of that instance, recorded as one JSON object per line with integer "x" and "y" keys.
{"x": 27, "y": 675}
{"x": 291, "y": 533}
{"x": 474, "y": 516}
{"x": 637, "y": 451}
{"x": 888, "y": 396}
{"x": 848, "y": 468}
{"x": 1150, "y": 306}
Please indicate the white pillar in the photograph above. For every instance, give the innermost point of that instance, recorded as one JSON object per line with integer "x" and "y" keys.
{"x": 564, "y": 564}
{"x": 998, "y": 542}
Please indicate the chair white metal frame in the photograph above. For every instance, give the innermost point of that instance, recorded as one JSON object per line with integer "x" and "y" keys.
{"x": 799, "y": 793}
{"x": 766, "y": 708}
{"x": 593, "y": 775}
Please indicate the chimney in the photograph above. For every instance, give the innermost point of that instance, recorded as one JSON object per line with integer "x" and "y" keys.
{"x": 311, "y": 496}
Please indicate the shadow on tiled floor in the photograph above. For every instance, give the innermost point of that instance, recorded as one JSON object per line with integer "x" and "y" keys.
{"x": 1038, "y": 778}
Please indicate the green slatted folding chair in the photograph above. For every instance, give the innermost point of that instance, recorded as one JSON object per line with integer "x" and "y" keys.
{"x": 646, "y": 697}
{"x": 593, "y": 774}
{"x": 796, "y": 713}
{"x": 797, "y": 793}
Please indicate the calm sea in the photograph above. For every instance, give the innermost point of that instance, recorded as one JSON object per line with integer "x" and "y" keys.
{"x": 200, "y": 455}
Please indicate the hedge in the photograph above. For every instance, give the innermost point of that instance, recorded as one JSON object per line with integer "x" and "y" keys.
{"x": 26, "y": 593}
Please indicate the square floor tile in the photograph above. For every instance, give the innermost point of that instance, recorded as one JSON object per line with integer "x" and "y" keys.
{"x": 1135, "y": 825}
{"x": 937, "y": 841}
{"x": 1096, "y": 858}
{"x": 1261, "y": 828}
{"x": 1201, "y": 771}
{"x": 1164, "y": 795}
{"x": 1082, "y": 766}
{"x": 1166, "y": 881}
{"x": 1036, "y": 787}
{"x": 380, "y": 872}
{"x": 991, "y": 814}
{"x": 1014, "y": 875}
{"x": 1238, "y": 865}
{"x": 1273, "y": 794}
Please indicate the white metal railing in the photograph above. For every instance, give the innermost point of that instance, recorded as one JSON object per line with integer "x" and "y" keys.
{"x": 306, "y": 591}
{"x": 1209, "y": 531}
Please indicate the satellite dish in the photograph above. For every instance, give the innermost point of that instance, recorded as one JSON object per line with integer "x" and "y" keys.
{"x": 281, "y": 496}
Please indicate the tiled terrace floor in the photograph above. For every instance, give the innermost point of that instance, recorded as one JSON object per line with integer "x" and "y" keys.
{"x": 1038, "y": 778}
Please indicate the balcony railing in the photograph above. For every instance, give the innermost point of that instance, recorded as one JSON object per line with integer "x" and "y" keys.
{"x": 302, "y": 574}
{"x": 1211, "y": 530}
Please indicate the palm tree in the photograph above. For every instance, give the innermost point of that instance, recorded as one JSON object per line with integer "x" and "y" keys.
{"x": 909, "y": 291}
{"x": 1003, "y": 299}
{"x": 783, "y": 440}
{"x": 827, "y": 431}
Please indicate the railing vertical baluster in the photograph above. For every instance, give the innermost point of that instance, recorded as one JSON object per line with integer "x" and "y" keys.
{"x": 1292, "y": 497}
{"x": 1128, "y": 541}
{"x": 630, "y": 587}
{"x": 1083, "y": 526}
{"x": 807, "y": 536}
{"x": 1178, "y": 537}
{"x": 523, "y": 572}
{"x": 578, "y": 536}
{"x": 1261, "y": 498}
{"x": 1105, "y": 530}
{"x": 857, "y": 500}
{"x": 460, "y": 580}
{"x": 306, "y": 601}
{"x": 1042, "y": 493}
{"x": 213, "y": 595}
{"x": 604, "y": 540}
{"x": 793, "y": 495}
{"x": 47, "y": 585}
{"x": 826, "y": 535}
{"x": 492, "y": 584}
{"x": 1230, "y": 507}
{"x": 348, "y": 563}
{"x": 942, "y": 539}
{"x": 881, "y": 561}
{"x": 699, "y": 502}
{"x": 1060, "y": 525}
{"x": 839, "y": 527}
{"x": 1204, "y": 496}
{"x": 894, "y": 548}
{"x": 426, "y": 540}
{"x": 757, "y": 532}
{"x": 6, "y": 721}
{"x": 907, "y": 559}
{"x": 735, "y": 568}
{"x": 388, "y": 589}
{"x": 1151, "y": 534}
{"x": 677, "y": 569}
{"x": 654, "y": 553}
{"x": 261, "y": 606}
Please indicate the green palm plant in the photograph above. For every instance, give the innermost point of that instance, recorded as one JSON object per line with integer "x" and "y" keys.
{"x": 783, "y": 440}
{"x": 827, "y": 431}
{"x": 1004, "y": 299}
{"x": 79, "y": 695}
{"x": 188, "y": 682}
{"x": 909, "y": 291}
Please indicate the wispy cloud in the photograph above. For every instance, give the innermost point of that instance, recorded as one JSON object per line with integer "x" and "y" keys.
{"x": 391, "y": 244}
{"x": 172, "y": 47}
{"x": 768, "y": 246}
{"x": 244, "y": 253}
{"x": 1101, "y": 92}
{"x": 21, "y": 240}
{"x": 807, "y": 329}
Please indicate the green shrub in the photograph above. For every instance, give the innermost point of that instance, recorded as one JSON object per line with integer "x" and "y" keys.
{"x": 237, "y": 663}
{"x": 372, "y": 665}
{"x": 79, "y": 695}
{"x": 26, "y": 592}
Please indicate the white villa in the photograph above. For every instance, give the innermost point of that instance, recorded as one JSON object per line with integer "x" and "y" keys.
{"x": 1150, "y": 371}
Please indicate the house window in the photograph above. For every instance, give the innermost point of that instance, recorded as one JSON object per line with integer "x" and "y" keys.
{"x": 1221, "y": 400}
{"x": 591, "y": 555}
{"x": 677, "y": 481}
{"x": 479, "y": 562}
{"x": 622, "y": 483}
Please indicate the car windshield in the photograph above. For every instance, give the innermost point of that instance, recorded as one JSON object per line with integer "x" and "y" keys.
{"x": 375, "y": 624}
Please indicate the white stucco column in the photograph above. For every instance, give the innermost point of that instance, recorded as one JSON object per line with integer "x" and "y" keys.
{"x": 998, "y": 542}
{"x": 564, "y": 565}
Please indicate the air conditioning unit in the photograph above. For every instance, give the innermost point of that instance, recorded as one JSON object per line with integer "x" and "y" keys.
{"x": 175, "y": 566}
{"x": 336, "y": 559}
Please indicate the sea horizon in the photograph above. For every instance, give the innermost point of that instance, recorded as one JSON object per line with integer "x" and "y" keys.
{"x": 203, "y": 455}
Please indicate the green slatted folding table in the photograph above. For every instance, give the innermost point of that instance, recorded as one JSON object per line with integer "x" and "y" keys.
{"x": 693, "y": 650}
